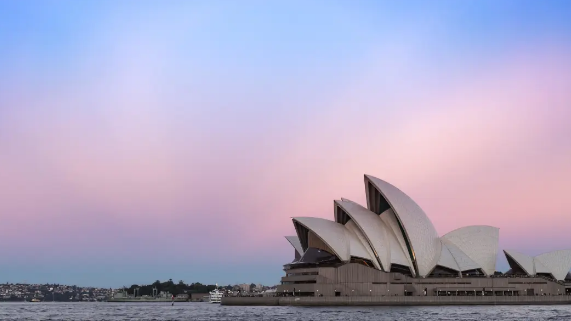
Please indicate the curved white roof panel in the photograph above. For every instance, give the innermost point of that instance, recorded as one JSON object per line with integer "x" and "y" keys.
{"x": 398, "y": 252}
{"x": 351, "y": 226}
{"x": 294, "y": 241}
{"x": 447, "y": 260}
{"x": 421, "y": 235}
{"x": 331, "y": 233}
{"x": 558, "y": 263}
{"x": 398, "y": 256}
{"x": 464, "y": 262}
{"x": 524, "y": 261}
{"x": 356, "y": 247}
{"x": 373, "y": 229}
{"x": 479, "y": 243}
{"x": 539, "y": 267}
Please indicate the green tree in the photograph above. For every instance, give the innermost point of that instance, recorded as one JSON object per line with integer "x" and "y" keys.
{"x": 181, "y": 287}
{"x": 131, "y": 289}
{"x": 157, "y": 285}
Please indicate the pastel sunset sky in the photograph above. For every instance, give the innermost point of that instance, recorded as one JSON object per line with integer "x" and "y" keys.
{"x": 144, "y": 140}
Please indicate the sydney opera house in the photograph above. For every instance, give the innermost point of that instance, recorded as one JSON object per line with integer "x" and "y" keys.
{"x": 391, "y": 248}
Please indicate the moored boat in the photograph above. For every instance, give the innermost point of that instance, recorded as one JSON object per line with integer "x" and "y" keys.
{"x": 215, "y": 295}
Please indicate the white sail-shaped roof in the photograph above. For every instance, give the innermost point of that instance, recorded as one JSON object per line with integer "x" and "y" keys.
{"x": 398, "y": 250}
{"x": 558, "y": 263}
{"x": 447, "y": 260}
{"x": 525, "y": 262}
{"x": 356, "y": 247}
{"x": 331, "y": 233}
{"x": 464, "y": 262}
{"x": 539, "y": 267}
{"x": 373, "y": 229}
{"x": 294, "y": 241}
{"x": 398, "y": 256}
{"x": 421, "y": 236}
{"x": 479, "y": 243}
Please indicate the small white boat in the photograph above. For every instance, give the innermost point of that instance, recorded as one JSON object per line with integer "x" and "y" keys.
{"x": 216, "y": 295}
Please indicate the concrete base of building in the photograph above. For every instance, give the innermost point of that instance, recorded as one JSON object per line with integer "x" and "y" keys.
{"x": 356, "y": 280}
{"x": 395, "y": 301}
{"x": 255, "y": 301}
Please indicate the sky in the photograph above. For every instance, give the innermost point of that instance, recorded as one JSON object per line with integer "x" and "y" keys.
{"x": 145, "y": 140}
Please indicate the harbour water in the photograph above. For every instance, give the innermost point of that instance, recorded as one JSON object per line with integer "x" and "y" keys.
{"x": 205, "y": 311}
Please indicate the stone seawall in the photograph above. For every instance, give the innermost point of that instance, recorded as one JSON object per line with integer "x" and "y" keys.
{"x": 251, "y": 301}
{"x": 397, "y": 300}
{"x": 131, "y": 300}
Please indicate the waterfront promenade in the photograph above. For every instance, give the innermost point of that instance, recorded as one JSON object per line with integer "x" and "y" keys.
{"x": 397, "y": 300}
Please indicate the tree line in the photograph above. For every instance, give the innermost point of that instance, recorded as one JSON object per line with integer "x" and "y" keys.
{"x": 171, "y": 287}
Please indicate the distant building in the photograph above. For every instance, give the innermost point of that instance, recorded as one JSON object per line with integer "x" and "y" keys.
{"x": 182, "y": 296}
{"x": 244, "y": 287}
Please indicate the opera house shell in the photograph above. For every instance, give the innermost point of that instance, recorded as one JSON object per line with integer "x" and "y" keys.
{"x": 391, "y": 240}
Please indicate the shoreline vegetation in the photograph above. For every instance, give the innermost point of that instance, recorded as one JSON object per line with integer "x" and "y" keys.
{"x": 170, "y": 287}
{"x": 23, "y": 292}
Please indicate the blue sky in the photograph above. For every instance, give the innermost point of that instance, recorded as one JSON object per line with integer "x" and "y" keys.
{"x": 181, "y": 136}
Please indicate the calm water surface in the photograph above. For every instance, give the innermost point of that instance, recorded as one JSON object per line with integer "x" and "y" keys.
{"x": 206, "y": 311}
